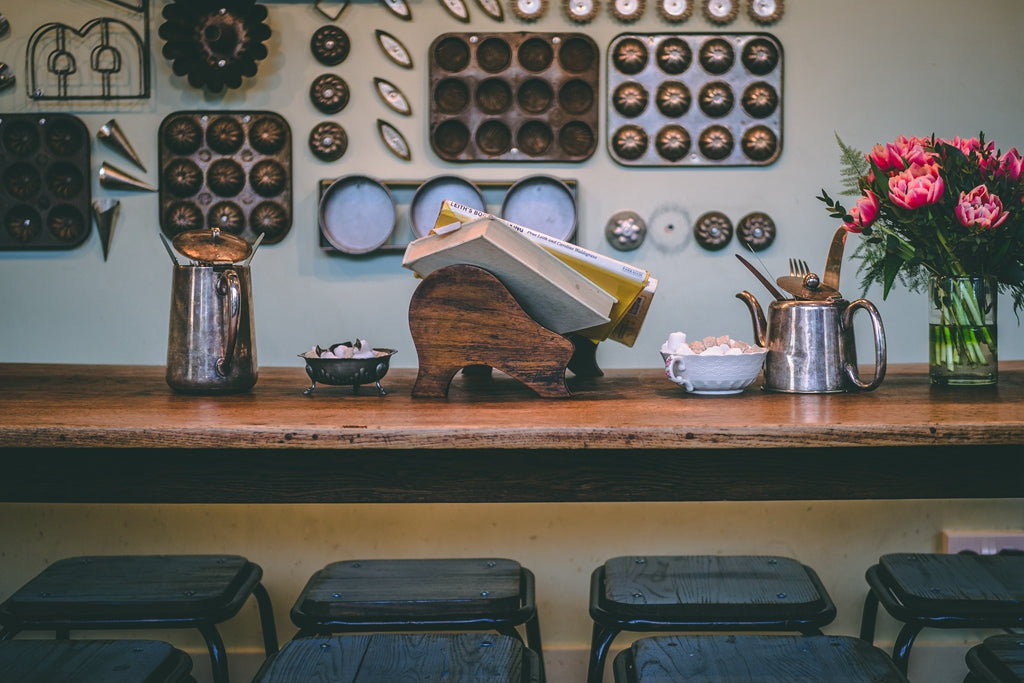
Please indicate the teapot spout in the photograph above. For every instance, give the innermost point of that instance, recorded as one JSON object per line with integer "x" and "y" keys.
{"x": 757, "y": 317}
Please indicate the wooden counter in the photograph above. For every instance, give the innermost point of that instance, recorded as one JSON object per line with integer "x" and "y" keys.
{"x": 119, "y": 434}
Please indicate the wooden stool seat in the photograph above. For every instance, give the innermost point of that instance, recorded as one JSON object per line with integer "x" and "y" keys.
{"x": 141, "y": 591}
{"x": 754, "y": 658}
{"x": 703, "y": 593}
{"x": 389, "y": 657}
{"x": 937, "y": 590}
{"x": 93, "y": 661}
{"x": 998, "y": 659}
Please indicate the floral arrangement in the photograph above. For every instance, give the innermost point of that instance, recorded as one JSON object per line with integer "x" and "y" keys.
{"x": 937, "y": 208}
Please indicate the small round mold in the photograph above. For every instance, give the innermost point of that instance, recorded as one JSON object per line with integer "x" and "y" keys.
{"x": 66, "y": 223}
{"x": 451, "y": 95}
{"x": 493, "y": 55}
{"x": 225, "y": 177}
{"x": 543, "y": 203}
{"x": 630, "y": 142}
{"x": 577, "y": 54}
{"x": 227, "y": 216}
{"x": 63, "y": 137}
{"x": 328, "y": 141}
{"x": 760, "y": 100}
{"x": 716, "y": 99}
{"x": 713, "y": 230}
{"x": 756, "y": 230}
{"x": 759, "y": 143}
{"x": 630, "y": 56}
{"x": 183, "y": 177}
{"x": 268, "y": 178}
{"x": 673, "y": 98}
{"x": 357, "y": 214}
{"x": 23, "y": 223}
{"x": 268, "y": 218}
{"x": 576, "y": 96}
{"x": 577, "y": 139}
{"x": 182, "y": 217}
{"x": 21, "y": 138}
{"x": 535, "y": 95}
{"x": 452, "y": 54}
{"x": 225, "y": 135}
{"x": 22, "y": 181}
{"x": 493, "y": 96}
{"x": 64, "y": 180}
{"x": 630, "y": 99}
{"x": 493, "y": 138}
{"x": 672, "y": 142}
{"x": 716, "y": 142}
{"x": 329, "y": 93}
{"x": 716, "y": 56}
{"x": 534, "y": 138}
{"x": 268, "y": 135}
{"x": 330, "y": 45}
{"x": 673, "y": 56}
{"x": 183, "y": 135}
{"x": 451, "y": 137}
{"x": 535, "y": 54}
{"x": 760, "y": 56}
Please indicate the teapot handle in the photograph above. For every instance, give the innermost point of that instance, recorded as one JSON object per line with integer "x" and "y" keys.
{"x": 876, "y": 324}
{"x": 228, "y": 287}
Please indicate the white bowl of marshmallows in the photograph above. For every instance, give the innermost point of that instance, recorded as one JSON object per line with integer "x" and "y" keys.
{"x": 712, "y": 365}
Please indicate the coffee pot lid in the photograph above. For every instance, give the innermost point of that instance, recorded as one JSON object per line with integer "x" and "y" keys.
{"x": 212, "y": 246}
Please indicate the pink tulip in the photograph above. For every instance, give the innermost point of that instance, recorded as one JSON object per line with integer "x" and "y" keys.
{"x": 886, "y": 158}
{"x": 980, "y": 209}
{"x": 1011, "y": 166}
{"x": 917, "y": 186}
{"x": 864, "y": 213}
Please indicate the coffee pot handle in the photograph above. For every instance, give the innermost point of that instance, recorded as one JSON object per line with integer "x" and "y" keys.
{"x": 876, "y": 324}
{"x": 229, "y": 289}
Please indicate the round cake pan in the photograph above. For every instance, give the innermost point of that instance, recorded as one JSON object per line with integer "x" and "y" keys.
{"x": 357, "y": 214}
{"x": 541, "y": 203}
{"x": 426, "y": 201}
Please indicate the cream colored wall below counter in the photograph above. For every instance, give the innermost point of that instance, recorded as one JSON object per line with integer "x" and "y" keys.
{"x": 560, "y": 543}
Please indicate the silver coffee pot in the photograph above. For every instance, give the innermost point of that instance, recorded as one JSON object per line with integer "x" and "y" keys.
{"x": 211, "y": 342}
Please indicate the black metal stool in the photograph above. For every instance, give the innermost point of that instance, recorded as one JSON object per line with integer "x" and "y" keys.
{"x": 93, "y": 661}
{"x": 141, "y": 592}
{"x": 943, "y": 591}
{"x": 999, "y": 659}
{"x": 771, "y": 658}
{"x": 702, "y": 593}
{"x": 387, "y": 657}
{"x": 420, "y": 595}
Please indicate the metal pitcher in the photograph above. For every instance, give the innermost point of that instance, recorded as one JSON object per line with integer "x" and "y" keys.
{"x": 211, "y": 345}
{"x": 811, "y": 346}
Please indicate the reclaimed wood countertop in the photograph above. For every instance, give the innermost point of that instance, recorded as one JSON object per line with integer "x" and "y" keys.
{"x": 629, "y": 435}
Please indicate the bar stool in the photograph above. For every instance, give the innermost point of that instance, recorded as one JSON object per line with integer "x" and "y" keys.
{"x": 472, "y": 594}
{"x": 943, "y": 591}
{"x": 93, "y": 661}
{"x": 386, "y": 657}
{"x": 702, "y": 593}
{"x": 997, "y": 659}
{"x": 771, "y": 658}
{"x": 141, "y": 592}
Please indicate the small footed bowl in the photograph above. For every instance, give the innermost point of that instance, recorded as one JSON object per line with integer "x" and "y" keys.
{"x": 344, "y": 371}
{"x": 716, "y": 374}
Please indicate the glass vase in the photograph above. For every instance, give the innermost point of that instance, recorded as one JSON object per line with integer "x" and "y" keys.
{"x": 962, "y": 331}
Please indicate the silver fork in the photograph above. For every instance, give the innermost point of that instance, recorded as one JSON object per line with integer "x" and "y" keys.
{"x": 798, "y": 267}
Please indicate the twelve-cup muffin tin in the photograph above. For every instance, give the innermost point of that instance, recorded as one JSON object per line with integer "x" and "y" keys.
{"x": 44, "y": 181}
{"x": 226, "y": 169}
{"x": 693, "y": 99}
{"x": 514, "y": 96}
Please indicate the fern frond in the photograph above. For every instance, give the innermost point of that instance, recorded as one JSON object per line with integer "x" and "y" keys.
{"x": 852, "y": 167}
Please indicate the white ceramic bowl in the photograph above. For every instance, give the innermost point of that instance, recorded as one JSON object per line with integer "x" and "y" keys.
{"x": 715, "y": 374}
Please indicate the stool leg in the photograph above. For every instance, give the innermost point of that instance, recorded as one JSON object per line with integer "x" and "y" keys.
{"x": 218, "y": 657}
{"x": 533, "y": 641}
{"x": 266, "y": 619}
{"x": 600, "y": 641}
{"x": 867, "y": 620}
{"x": 901, "y": 648}
{"x": 8, "y": 633}
{"x": 63, "y": 634}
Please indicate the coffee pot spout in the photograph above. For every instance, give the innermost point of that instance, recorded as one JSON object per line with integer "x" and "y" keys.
{"x": 757, "y": 317}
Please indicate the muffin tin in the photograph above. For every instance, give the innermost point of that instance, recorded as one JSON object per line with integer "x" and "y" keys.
{"x": 226, "y": 169}
{"x": 514, "y": 96}
{"x": 695, "y": 99}
{"x": 44, "y": 181}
